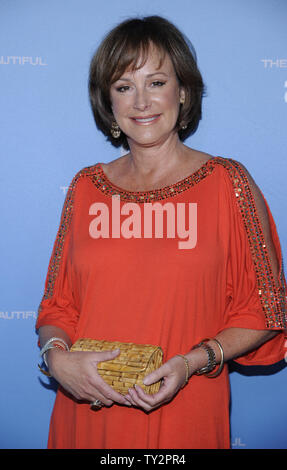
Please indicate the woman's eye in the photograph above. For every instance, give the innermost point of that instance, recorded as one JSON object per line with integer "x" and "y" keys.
{"x": 122, "y": 89}
{"x": 158, "y": 83}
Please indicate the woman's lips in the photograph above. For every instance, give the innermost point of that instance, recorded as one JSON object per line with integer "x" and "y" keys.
{"x": 146, "y": 119}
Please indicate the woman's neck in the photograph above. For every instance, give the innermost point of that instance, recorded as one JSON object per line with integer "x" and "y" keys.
{"x": 152, "y": 163}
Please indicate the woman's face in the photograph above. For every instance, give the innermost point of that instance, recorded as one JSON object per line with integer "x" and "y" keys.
{"x": 146, "y": 102}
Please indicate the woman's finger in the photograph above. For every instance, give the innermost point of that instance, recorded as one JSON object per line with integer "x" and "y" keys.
{"x": 168, "y": 389}
{"x": 137, "y": 401}
{"x": 103, "y": 399}
{"x": 171, "y": 383}
{"x": 107, "y": 391}
{"x": 111, "y": 394}
{"x": 156, "y": 375}
{"x": 146, "y": 401}
{"x": 163, "y": 371}
{"x": 106, "y": 355}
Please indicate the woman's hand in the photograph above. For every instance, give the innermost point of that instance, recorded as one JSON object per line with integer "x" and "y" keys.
{"x": 173, "y": 375}
{"x": 77, "y": 373}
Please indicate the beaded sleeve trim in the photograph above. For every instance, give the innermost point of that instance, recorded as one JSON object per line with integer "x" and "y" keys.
{"x": 272, "y": 297}
{"x": 66, "y": 217}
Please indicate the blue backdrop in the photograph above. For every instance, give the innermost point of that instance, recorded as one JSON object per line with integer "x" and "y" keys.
{"x": 48, "y": 134}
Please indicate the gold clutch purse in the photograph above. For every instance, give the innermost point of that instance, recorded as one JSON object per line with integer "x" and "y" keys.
{"x": 129, "y": 368}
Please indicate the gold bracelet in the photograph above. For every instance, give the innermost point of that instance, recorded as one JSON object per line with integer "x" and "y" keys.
{"x": 221, "y": 364}
{"x": 186, "y": 368}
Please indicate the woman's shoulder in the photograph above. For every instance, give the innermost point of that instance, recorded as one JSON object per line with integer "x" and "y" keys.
{"x": 236, "y": 171}
{"x": 86, "y": 171}
{"x": 240, "y": 175}
{"x": 246, "y": 190}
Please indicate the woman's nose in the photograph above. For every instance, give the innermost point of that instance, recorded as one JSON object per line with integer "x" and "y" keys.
{"x": 142, "y": 100}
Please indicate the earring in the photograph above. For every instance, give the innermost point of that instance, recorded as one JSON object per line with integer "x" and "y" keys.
{"x": 183, "y": 126}
{"x": 115, "y": 130}
{"x": 182, "y": 100}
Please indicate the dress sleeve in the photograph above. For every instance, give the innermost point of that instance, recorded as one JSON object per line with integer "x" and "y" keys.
{"x": 256, "y": 286}
{"x": 58, "y": 306}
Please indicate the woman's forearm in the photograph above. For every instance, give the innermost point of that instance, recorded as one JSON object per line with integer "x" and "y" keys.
{"x": 235, "y": 342}
{"x": 239, "y": 341}
{"x": 48, "y": 331}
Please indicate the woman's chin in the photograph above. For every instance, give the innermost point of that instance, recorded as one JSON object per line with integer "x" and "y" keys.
{"x": 148, "y": 141}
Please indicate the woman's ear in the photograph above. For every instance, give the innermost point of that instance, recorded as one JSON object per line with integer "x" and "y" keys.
{"x": 182, "y": 96}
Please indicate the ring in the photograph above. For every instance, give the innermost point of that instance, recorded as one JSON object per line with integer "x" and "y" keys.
{"x": 97, "y": 404}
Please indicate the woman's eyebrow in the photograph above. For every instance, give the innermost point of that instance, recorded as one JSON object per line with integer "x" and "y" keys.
{"x": 126, "y": 79}
{"x": 157, "y": 73}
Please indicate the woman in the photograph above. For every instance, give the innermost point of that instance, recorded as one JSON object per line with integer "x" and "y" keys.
{"x": 208, "y": 294}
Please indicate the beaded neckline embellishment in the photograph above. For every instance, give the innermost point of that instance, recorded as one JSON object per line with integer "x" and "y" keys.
{"x": 101, "y": 181}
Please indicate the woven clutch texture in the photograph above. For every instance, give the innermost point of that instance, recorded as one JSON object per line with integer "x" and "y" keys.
{"x": 134, "y": 362}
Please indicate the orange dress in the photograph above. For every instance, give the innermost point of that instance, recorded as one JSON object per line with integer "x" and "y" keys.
{"x": 146, "y": 289}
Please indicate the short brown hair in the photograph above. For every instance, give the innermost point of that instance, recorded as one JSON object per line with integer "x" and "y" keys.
{"x": 121, "y": 49}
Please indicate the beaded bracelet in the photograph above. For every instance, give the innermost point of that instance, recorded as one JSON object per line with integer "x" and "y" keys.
{"x": 211, "y": 358}
{"x": 221, "y": 364}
